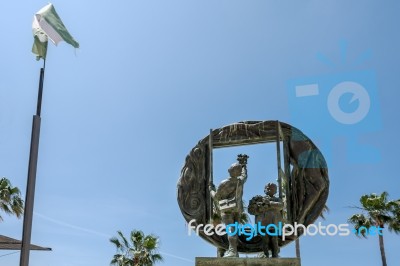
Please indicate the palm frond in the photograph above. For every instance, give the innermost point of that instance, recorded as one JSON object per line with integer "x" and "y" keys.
{"x": 124, "y": 240}
{"x": 157, "y": 258}
{"x": 116, "y": 242}
{"x": 150, "y": 242}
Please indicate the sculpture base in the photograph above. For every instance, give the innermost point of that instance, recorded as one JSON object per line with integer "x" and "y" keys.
{"x": 202, "y": 261}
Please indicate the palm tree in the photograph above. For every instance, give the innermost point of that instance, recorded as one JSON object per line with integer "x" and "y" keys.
{"x": 10, "y": 199}
{"x": 140, "y": 250}
{"x": 378, "y": 212}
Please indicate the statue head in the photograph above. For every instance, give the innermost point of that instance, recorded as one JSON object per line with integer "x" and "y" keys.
{"x": 235, "y": 170}
{"x": 270, "y": 189}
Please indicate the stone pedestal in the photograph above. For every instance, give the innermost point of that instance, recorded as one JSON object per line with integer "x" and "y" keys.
{"x": 202, "y": 261}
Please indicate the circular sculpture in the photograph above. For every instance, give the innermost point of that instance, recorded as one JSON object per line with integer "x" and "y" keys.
{"x": 307, "y": 186}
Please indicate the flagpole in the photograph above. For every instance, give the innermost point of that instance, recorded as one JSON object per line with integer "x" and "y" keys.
{"x": 32, "y": 168}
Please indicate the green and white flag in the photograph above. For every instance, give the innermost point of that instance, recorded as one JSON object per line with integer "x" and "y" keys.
{"x": 48, "y": 25}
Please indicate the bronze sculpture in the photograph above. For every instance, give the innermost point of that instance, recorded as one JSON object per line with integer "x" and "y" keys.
{"x": 267, "y": 210}
{"x": 304, "y": 177}
{"x": 229, "y": 199}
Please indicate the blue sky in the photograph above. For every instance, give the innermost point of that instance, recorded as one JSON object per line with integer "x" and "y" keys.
{"x": 151, "y": 78}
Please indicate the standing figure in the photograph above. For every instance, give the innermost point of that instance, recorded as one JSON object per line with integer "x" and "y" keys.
{"x": 267, "y": 211}
{"x": 229, "y": 199}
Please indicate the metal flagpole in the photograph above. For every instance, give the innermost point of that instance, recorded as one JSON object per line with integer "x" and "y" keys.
{"x": 30, "y": 187}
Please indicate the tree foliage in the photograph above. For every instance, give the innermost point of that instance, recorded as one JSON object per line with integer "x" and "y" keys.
{"x": 10, "y": 199}
{"x": 137, "y": 250}
{"x": 377, "y": 211}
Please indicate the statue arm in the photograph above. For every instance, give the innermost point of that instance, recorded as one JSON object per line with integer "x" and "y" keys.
{"x": 243, "y": 176}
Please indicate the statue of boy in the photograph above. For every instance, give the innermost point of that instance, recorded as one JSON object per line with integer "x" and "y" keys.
{"x": 267, "y": 210}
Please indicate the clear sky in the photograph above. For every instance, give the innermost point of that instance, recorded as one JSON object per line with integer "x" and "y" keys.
{"x": 151, "y": 78}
